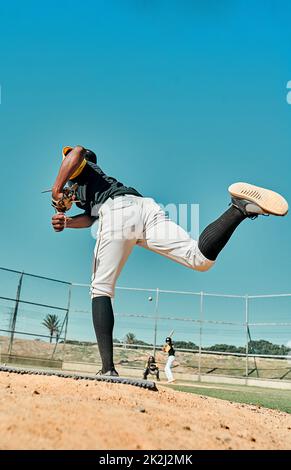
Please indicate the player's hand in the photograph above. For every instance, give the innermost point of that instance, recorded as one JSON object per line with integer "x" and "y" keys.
{"x": 56, "y": 195}
{"x": 59, "y": 222}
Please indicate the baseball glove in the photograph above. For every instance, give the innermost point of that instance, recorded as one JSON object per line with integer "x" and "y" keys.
{"x": 65, "y": 203}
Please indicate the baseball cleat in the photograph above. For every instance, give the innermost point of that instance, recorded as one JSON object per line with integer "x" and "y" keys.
{"x": 253, "y": 201}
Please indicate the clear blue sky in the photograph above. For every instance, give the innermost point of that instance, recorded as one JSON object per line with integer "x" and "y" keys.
{"x": 178, "y": 99}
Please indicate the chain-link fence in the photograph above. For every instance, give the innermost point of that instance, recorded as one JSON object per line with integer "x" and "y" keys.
{"x": 46, "y": 322}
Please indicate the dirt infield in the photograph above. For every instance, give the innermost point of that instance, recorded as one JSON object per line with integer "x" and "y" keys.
{"x": 39, "y": 412}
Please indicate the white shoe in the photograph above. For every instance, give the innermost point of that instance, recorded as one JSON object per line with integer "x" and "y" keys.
{"x": 253, "y": 200}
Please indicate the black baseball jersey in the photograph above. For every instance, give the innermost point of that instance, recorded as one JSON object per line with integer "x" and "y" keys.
{"x": 94, "y": 188}
{"x": 171, "y": 351}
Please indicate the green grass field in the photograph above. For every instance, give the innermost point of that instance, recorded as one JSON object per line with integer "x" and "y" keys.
{"x": 268, "y": 398}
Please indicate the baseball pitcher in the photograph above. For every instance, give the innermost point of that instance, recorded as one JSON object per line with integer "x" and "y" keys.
{"x": 126, "y": 219}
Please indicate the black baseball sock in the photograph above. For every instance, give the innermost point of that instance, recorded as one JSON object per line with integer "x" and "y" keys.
{"x": 214, "y": 238}
{"x": 103, "y": 321}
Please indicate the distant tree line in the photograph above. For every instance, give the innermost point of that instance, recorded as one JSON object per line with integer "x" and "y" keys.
{"x": 255, "y": 347}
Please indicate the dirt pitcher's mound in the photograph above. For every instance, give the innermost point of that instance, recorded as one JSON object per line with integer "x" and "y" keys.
{"x": 39, "y": 412}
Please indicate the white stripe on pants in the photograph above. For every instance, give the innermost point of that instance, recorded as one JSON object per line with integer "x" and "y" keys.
{"x": 129, "y": 220}
{"x": 168, "y": 367}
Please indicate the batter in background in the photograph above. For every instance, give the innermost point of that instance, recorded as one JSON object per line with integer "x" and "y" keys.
{"x": 168, "y": 348}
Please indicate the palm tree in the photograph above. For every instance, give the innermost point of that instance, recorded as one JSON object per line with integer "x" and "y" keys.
{"x": 52, "y": 323}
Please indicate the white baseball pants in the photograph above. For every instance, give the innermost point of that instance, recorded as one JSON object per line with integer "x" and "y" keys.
{"x": 168, "y": 366}
{"x": 129, "y": 220}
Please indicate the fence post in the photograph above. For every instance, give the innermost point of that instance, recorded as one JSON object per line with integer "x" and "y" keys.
{"x": 156, "y": 321}
{"x": 67, "y": 320}
{"x": 247, "y": 335}
{"x": 200, "y": 335}
{"x": 64, "y": 326}
{"x": 14, "y": 317}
